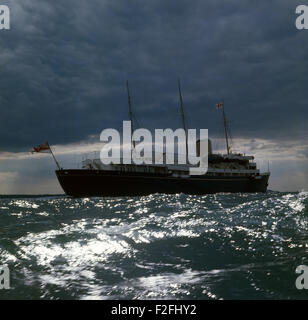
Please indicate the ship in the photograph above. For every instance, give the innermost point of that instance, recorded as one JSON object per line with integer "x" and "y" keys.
{"x": 227, "y": 173}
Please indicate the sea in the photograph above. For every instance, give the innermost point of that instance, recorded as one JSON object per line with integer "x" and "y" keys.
{"x": 220, "y": 246}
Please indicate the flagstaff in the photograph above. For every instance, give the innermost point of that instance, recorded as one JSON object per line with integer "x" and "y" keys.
{"x": 46, "y": 147}
{"x": 57, "y": 163}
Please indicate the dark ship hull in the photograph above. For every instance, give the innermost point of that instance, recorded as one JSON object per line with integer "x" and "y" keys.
{"x": 91, "y": 183}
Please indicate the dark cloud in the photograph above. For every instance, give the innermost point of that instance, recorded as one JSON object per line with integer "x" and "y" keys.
{"x": 64, "y": 65}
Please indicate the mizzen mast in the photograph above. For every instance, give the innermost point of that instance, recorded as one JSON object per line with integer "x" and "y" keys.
{"x": 225, "y": 126}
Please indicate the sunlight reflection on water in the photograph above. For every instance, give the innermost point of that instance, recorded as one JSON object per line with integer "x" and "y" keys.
{"x": 162, "y": 246}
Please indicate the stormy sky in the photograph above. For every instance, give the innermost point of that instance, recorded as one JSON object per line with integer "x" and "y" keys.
{"x": 64, "y": 64}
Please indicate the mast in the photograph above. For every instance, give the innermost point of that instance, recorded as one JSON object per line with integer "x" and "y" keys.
{"x": 225, "y": 126}
{"x": 183, "y": 116}
{"x": 130, "y": 113}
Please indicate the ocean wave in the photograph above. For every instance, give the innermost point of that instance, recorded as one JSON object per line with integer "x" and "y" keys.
{"x": 220, "y": 246}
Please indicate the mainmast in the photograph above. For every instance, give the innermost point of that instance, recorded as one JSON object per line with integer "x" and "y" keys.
{"x": 183, "y": 116}
{"x": 130, "y": 113}
{"x": 222, "y": 106}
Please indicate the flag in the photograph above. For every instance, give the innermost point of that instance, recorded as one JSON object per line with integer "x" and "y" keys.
{"x": 219, "y": 105}
{"x": 42, "y": 148}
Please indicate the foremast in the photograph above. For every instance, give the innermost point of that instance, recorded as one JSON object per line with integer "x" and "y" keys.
{"x": 130, "y": 113}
